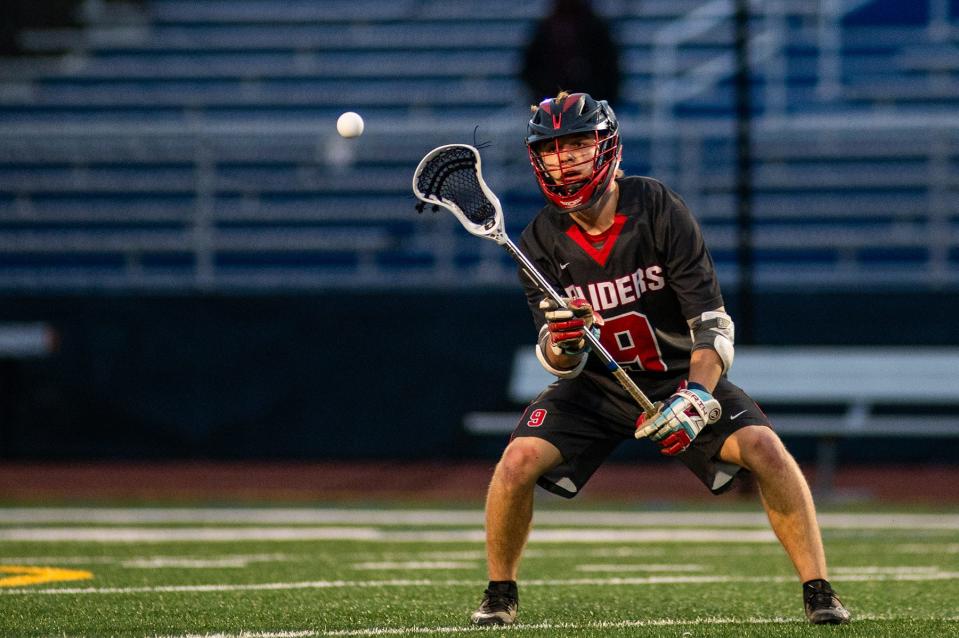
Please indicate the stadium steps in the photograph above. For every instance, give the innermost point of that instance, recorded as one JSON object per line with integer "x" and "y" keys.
{"x": 284, "y": 205}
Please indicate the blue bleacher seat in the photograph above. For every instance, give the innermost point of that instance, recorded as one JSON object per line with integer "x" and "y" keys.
{"x": 207, "y": 125}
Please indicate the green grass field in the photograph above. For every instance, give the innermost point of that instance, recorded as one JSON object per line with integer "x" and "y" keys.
{"x": 300, "y": 572}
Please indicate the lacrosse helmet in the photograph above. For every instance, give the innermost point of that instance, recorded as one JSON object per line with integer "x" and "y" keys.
{"x": 574, "y": 114}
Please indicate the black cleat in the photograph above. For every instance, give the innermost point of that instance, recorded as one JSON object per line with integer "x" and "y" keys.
{"x": 823, "y": 607}
{"x": 500, "y": 602}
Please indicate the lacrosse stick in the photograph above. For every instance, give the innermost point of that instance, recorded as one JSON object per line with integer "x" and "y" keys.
{"x": 451, "y": 176}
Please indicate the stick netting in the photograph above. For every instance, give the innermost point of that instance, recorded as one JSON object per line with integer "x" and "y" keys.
{"x": 452, "y": 176}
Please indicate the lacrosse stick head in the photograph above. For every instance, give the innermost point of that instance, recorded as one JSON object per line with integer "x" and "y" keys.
{"x": 451, "y": 176}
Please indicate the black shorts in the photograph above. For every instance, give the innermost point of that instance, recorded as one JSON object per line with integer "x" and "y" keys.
{"x": 586, "y": 425}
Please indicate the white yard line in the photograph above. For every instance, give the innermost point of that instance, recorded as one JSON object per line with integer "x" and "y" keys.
{"x": 615, "y": 552}
{"x": 425, "y": 582}
{"x": 185, "y": 534}
{"x": 415, "y": 564}
{"x": 875, "y": 569}
{"x": 186, "y": 563}
{"x": 57, "y": 560}
{"x": 371, "y": 534}
{"x": 156, "y": 559}
{"x": 928, "y": 548}
{"x": 431, "y": 517}
{"x": 640, "y": 567}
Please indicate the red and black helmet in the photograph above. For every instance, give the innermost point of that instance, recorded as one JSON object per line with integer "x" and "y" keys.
{"x": 574, "y": 114}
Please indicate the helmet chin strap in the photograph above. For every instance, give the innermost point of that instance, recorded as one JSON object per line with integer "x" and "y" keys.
{"x": 600, "y": 204}
{"x": 589, "y": 216}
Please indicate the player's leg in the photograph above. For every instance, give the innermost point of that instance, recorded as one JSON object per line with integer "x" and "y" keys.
{"x": 785, "y": 495}
{"x": 789, "y": 505}
{"x": 509, "y": 502}
{"x": 560, "y": 441}
{"x": 743, "y": 438}
{"x": 509, "y": 512}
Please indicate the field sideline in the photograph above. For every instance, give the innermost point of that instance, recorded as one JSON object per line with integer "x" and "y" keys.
{"x": 297, "y": 572}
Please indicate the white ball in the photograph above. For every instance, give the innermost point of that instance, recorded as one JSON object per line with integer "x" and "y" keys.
{"x": 350, "y": 124}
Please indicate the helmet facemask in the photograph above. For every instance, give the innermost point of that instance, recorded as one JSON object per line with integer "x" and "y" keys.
{"x": 575, "y": 170}
{"x": 570, "y": 177}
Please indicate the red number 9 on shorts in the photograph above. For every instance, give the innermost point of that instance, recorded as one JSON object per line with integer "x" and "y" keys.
{"x": 536, "y": 418}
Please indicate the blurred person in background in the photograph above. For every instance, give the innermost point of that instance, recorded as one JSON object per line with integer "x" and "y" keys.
{"x": 572, "y": 46}
{"x": 17, "y": 15}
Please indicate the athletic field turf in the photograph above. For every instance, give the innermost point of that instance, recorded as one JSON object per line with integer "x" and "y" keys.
{"x": 300, "y": 572}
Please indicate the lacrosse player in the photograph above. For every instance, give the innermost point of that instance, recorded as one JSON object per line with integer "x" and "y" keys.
{"x": 632, "y": 262}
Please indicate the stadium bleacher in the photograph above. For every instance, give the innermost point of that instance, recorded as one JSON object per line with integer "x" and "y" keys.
{"x": 183, "y": 145}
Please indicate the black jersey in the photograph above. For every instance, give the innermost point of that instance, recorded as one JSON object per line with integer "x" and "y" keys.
{"x": 646, "y": 276}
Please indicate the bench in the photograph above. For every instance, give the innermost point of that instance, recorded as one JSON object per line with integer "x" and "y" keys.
{"x": 19, "y": 341}
{"x": 797, "y": 383}
{"x": 26, "y": 340}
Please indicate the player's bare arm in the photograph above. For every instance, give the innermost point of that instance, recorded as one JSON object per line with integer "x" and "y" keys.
{"x": 705, "y": 368}
{"x": 692, "y": 407}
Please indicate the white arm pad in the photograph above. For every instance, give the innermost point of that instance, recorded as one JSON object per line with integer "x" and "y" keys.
{"x": 715, "y": 330}
{"x": 562, "y": 374}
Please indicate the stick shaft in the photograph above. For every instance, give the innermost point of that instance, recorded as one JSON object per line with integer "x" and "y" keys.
{"x": 617, "y": 371}
{"x": 494, "y": 231}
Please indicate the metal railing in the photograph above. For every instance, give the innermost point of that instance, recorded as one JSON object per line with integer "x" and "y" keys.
{"x": 261, "y": 205}
{"x": 862, "y": 198}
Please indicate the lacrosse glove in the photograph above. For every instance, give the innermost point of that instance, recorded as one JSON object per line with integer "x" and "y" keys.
{"x": 567, "y": 326}
{"x": 680, "y": 418}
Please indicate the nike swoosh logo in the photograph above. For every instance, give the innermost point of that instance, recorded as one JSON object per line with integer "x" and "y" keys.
{"x": 736, "y": 416}
{"x": 563, "y": 266}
